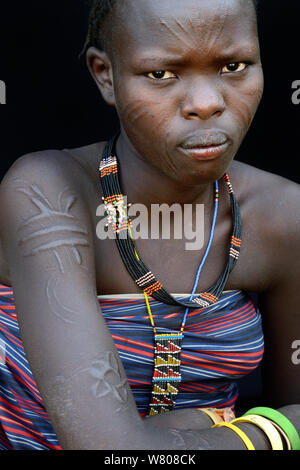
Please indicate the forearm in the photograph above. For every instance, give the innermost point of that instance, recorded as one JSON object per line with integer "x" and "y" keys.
{"x": 90, "y": 403}
{"x": 212, "y": 438}
{"x": 126, "y": 431}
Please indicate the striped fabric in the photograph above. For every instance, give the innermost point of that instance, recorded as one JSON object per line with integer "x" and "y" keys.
{"x": 221, "y": 343}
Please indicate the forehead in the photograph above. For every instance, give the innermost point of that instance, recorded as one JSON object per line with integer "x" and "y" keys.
{"x": 175, "y": 25}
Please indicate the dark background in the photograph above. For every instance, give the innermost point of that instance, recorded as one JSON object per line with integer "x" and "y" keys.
{"x": 52, "y": 101}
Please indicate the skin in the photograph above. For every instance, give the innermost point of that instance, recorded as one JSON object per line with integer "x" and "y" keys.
{"x": 69, "y": 347}
{"x": 193, "y": 96}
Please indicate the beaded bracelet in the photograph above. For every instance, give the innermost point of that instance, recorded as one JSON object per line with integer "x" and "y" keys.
{"x": 264, "y": 424}
{"x": 282, "y": 421}
{"x": 239, "y": 432}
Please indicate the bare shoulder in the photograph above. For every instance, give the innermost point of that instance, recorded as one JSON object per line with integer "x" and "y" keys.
{"x": 271, "y": 215}
{"x": 267, "y": 195}
{"x": 36, "y": 176}
{"x": 35, "y": 164}
{"x": 49, "y": 167}
{"x": 40, "y": 186}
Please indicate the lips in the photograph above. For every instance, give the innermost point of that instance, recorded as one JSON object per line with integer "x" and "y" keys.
{"x": 205, "y": 145}
{"x": 208, "y": 139}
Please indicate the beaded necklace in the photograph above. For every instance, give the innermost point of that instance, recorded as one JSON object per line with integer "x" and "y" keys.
{"x": 166, "y": 376}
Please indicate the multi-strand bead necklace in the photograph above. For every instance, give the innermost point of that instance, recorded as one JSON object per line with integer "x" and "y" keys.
{"x": 166, "y": 375}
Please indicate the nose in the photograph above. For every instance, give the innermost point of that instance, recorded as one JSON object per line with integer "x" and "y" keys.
{"x": 203, "y": 100}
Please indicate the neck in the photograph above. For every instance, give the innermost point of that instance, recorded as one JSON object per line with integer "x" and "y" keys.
{"x": 145, "y": 184}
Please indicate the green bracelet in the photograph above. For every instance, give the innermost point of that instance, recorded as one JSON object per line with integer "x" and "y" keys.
{"x": 283, "y": 422}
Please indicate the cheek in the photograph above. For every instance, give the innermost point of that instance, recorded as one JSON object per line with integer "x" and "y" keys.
{"x": 146, "y": 116}
{"x": 246, "y": 101}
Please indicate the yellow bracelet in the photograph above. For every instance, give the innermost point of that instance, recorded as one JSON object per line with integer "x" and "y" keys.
{"x": 266, "y": 425}
{"x": 213, "y": 416}
{"x": 239, "y": 432}
{"x": 284, "y": 435}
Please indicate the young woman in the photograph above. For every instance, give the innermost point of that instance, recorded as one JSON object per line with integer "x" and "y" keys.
{"x": 186, "y": 80}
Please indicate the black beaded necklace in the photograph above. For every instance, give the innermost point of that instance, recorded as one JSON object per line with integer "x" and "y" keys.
{"x": 139, "y": 271}
{"x": 167, "y": 350}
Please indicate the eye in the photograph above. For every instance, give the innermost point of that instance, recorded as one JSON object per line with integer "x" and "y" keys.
{"x": 161, "y": 75}
{"x": 234, "y": 67}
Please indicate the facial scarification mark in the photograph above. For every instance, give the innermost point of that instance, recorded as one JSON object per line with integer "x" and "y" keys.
{"x": 40, "y": 226}
{"x": 218, "y": 25}
{"x": 177, "y": 29}
{"x": 192, "y": 29}
{"x": 134, "y": 112}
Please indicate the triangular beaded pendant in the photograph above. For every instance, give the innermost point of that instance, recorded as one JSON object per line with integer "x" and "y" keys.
{"x": 166, "y": 375}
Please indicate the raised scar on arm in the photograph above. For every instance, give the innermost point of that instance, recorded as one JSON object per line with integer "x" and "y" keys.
{"x": 106, "y": 378}
{"x": 102, "y": 377}
{"x": 55, "y": 230}
{"x": 35, "y": 231}
{"x": 188, "y": 440}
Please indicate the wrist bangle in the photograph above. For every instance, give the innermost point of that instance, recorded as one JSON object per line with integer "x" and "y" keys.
{"x": 239, "y": 432}
{"x": 266, "y": 425}
{"x": 286, "y": 439}
{"x": 282, "y": 421}
{"x": 213, "y": 416}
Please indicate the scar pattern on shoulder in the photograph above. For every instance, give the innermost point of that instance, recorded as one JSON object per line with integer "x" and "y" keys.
{"x": 54, "y": 229}
{"x": 35, "y": 231}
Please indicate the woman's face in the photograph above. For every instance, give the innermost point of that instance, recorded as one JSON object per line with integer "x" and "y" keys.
{"x": 187, "y": 73}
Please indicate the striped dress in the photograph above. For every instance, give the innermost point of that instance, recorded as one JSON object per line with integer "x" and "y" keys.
{"x": 221, "y": 344}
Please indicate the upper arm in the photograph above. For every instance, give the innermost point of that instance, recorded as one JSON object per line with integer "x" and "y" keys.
{"x": 44, "y": 218}
{"x": 46, "y": 230}
{"x": 280, "y": 304}
{"x": 48, "y": 238}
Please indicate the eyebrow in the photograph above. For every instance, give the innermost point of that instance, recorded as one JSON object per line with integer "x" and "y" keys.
{"x": 247, "y": 48}
{"x": 167, "y": 58}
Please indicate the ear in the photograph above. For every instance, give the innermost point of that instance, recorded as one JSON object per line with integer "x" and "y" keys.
{"x": 100, "y": 68}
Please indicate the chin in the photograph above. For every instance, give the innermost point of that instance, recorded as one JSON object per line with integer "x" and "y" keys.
{"x": 205, "y": 173}
{"x": 192, "y": 172}
{"x": 195, "y": 178}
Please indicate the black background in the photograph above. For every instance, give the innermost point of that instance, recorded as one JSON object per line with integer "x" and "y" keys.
{"x": 52, "y": 102}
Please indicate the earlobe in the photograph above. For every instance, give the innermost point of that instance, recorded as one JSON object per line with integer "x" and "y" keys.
{"x": 100, "y": 68}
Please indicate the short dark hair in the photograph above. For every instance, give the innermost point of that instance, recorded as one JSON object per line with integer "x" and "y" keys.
{"x": 97, "y": 34}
